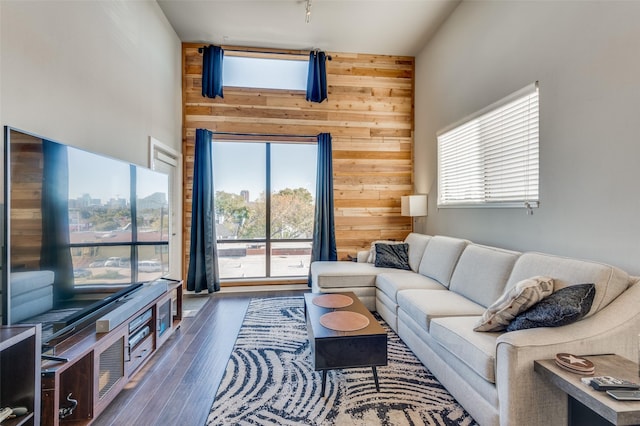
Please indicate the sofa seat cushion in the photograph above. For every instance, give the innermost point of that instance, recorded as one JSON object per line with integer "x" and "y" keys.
{"x": 610, "y": 281}
{"x": 328, "y": 274}
{"x": 425, "y": 305}
{"x": 476, "y": 350}
{"x": 390, "y": 283}
{"x": 27, "y": 305}
{"x": 28, "y": 281}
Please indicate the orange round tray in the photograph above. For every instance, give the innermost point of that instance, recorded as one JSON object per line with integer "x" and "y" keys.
{"x": 332, "y": 301}
{"x": 344, "y": 321}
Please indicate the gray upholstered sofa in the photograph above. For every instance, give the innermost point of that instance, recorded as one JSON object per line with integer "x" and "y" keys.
{"x": 435, "y": 306}
{"x": 31, "y": 294}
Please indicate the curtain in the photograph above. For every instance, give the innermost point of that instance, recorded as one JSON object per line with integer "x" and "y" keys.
{"x": 317, "y": 77}
{"x": 203, "y": 253}
{"x": 55, "y": 254}
{"x": 212, "y": 71}
{"x": 324, "y": 232}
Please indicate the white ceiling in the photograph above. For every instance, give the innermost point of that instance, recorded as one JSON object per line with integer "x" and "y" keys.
{"x": 386, "y": 27}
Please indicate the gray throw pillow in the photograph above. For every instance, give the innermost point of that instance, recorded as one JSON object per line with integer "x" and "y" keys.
{"x": 562, "y": 307}
{"x": 392, "y": 256}
{"x": 372, "y": 251}
{"x": 514, "y": 301}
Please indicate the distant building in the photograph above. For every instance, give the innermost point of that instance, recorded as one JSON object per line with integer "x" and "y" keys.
{"x": 245, "y": 194}
{"x": 117, "y": 203}
{"x": 84, "y": 201}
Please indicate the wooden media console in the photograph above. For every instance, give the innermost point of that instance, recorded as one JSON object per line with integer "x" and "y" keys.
{"x": 99, "y": 364}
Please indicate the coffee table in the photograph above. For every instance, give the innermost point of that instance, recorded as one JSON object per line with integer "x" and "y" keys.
{"x": 333, "y": 349}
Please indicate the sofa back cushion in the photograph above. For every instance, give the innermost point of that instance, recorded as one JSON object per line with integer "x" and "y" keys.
{"x": 417, "y": 244}
{"x": 440, "y": 258}
{"x": 482, "y": 273}
{"x": 609, "y": 281}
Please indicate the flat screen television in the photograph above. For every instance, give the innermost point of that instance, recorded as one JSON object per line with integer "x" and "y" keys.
{"x": 80, "y": 231}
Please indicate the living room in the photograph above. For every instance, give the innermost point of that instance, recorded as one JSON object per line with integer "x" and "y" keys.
{"x": 107, "y": 76}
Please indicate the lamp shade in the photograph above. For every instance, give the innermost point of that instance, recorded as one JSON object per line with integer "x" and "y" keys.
{"x": 413, "y": 205}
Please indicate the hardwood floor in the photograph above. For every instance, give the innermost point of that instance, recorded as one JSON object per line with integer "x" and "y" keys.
{"x": 177, "y": 386}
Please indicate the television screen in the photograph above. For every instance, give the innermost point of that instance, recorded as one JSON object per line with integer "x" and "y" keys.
{"x": 79, "y": 227}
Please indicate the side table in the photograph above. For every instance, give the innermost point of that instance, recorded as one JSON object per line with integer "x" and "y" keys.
{"x": 586, "y": 405}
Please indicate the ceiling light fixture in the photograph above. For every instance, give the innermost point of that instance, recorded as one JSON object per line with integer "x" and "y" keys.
{"x": 308, "y": 12}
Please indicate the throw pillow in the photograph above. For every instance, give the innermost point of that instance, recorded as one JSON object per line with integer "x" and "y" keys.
{"x": 392, "y": 256}
{"x": 372, "y": 250}
{"x": 517, "y": 299}
{"x": 563, "y": 307}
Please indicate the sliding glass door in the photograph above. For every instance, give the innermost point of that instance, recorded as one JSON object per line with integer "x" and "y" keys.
{"x": 264, "y": 204}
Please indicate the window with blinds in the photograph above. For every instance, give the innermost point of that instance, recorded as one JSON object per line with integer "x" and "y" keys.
{"x": 490, "y": 159}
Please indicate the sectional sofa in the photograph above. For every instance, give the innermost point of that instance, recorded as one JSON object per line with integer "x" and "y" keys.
{"x": 435, "y": 306}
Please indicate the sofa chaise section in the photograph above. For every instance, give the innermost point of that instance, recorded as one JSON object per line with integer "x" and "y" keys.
{"x": 360, "y": 278}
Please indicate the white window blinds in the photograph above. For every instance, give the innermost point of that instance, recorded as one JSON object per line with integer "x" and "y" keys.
{"x": 491, "y": 158}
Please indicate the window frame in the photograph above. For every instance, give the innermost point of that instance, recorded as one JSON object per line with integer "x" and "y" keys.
{"x": 268, "y": 241}
{"x": 527, "y": 150}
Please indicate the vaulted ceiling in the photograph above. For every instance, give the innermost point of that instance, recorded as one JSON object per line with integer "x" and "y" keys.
{"x": 389, "y": 27}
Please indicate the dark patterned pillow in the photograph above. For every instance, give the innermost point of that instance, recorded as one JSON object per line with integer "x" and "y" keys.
{"x": 392, "y": 256}
{"x": 562, "y": 307}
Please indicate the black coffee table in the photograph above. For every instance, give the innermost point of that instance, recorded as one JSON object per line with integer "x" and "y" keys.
{"x": 333, "y": 349}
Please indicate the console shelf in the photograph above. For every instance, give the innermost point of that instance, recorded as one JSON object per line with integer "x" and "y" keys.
{"x": 20, "y": 368}
{"x": 100, "y": 364}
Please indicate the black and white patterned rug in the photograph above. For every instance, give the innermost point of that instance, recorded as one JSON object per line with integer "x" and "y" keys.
{"x": 270, "y": 380}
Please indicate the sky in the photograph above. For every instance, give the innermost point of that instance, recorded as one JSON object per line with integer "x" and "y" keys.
{"x": 242, "y": 166}
{"x": 106, "y": 178}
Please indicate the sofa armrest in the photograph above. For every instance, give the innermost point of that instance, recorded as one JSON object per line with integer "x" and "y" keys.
{"x": 362, "y": 256}
{"x": 526, "y": 398}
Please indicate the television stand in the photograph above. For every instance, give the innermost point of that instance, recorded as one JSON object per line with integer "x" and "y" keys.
{"x": 100, "y": 364}
{"x": 20, "y": 379}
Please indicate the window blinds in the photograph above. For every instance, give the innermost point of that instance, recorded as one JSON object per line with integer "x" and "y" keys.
{"x": 491, "y": 158}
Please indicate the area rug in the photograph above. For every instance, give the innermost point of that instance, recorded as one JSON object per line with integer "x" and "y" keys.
{"x": 270, "y": 380}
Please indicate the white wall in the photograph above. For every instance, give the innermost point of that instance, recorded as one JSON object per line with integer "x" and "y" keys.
{"x": 586, "y": 56}
{"x": 99, "y": 75}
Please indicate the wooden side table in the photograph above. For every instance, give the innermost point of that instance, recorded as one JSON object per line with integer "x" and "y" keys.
{"x": 588, "y": 406}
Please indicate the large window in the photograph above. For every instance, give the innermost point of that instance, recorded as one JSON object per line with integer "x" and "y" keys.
{"x": 108, "y": 245}
{"x": 491, "y": 158}
{"x": 265, "y": 202}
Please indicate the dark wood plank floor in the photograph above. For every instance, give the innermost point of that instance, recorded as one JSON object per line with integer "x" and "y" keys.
{"x": 177, "y": 386}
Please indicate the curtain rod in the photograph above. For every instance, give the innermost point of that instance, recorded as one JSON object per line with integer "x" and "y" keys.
{"x": 269, "y": 52}
{"x": 267, "y": 135}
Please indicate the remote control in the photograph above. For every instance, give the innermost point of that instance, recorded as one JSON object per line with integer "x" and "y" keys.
{"x": 603, "y": 383}
{"x": 625, "y": 395}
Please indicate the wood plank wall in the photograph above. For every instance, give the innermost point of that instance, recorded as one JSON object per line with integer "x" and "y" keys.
{"x": 26, "y": 197}
{"x": 369, "y": 113}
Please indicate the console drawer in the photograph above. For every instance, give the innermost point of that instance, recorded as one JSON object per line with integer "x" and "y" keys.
{"x": 139, "y": 354}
